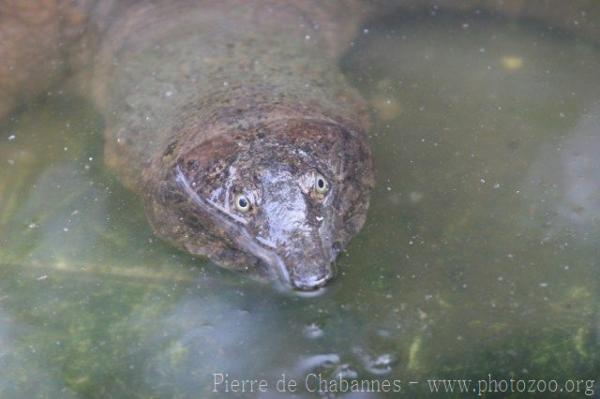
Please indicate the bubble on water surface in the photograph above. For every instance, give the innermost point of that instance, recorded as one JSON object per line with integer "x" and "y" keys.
{"x": 313, "y": 331}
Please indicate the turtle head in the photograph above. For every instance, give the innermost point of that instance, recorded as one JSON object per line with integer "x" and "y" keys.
{"x": 288, "y": 195}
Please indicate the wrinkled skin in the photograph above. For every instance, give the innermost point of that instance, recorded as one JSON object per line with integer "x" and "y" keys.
{"x": 305, "y": 195}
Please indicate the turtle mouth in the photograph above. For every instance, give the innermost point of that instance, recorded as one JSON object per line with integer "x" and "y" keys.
{"x": 294, "y": 277}
{"x": 302, "y": 263}
{"x": 312, "y": 282}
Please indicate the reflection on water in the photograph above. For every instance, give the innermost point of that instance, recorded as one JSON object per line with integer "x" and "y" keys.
{"x": 568, "y": 173}
{"x": 480, "y": 254}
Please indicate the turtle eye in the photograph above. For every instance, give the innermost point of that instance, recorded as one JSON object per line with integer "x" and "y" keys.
{"x": 242, "y": 203}
{"x": 321, "y": 185}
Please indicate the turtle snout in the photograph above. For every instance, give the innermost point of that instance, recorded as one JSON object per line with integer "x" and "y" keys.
{"x": 311, "y": 275}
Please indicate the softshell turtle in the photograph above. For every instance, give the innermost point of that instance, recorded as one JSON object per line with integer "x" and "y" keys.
{"x": 231, "y": 119}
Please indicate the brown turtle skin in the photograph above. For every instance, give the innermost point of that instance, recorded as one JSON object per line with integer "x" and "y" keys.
{"x": 231, "y": 119}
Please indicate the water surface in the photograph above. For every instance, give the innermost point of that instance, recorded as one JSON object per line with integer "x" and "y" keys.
{"x": 480, "y": 255}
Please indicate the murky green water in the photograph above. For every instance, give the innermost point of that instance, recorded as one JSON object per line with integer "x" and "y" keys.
{"x": 480, "y": 256}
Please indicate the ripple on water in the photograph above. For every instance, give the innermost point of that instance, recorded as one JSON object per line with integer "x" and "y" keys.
{"x": 345, "y": 372}
{"x": 312, "y": 330}
{"x": 378, "y": 364}
{"x": 319, "y": 362}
